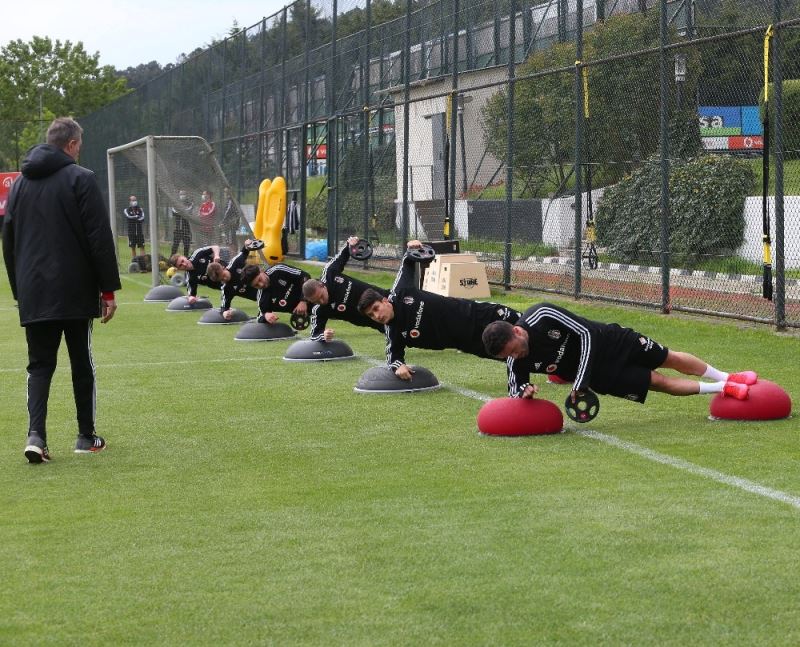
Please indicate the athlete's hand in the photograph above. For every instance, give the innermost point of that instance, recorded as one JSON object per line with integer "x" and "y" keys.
{"x": 191, "y": 299}
{"x": 227, "y": 315}
{"x": 270, "y": 317}
{"x": 108, "y": 310}
{"x": 412, "y": 244}
{"x": 574, "y": 395}
{"x": 328, "y": 334}
{"x": 352, "y": 240}
{"x": 529, "y": 391}
{"x": 404, "y": 372}
{"x": 301, "y": 308}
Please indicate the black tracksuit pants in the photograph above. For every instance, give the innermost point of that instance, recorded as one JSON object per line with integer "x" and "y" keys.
{"x": 44, "y": 339}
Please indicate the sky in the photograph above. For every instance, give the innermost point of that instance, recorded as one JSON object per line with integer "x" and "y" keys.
{"x": 129, "y": 32}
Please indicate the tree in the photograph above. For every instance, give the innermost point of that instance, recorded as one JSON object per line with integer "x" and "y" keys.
{"x": 624, "y": 107}
{"x": 137, "y": 76}
{"x": 72, "y": 83}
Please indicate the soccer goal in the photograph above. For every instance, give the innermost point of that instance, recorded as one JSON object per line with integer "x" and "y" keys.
{"x": 184, "y": 198}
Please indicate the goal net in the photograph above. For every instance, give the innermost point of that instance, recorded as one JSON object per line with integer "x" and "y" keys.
{"x": 183, "y": 201}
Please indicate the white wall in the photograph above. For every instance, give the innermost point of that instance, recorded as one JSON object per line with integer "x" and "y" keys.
{"x": 752, "y": 249}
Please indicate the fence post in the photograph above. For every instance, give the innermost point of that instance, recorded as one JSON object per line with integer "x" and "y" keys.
{"x": 332, "y": 139}
{"x": 777, "y": 76}
{"x": 452, "y": 128}
{"x": 664, "y": 126}
{"x": 304, "y": 143}
{"x": 239, "y": 147}
{"x": 366, "y": 164}
{"x": 284, "y": 131}
{"x": 512, "y": 46}
{"x": 406, "y": 119}
{"x": 578, "y": 145}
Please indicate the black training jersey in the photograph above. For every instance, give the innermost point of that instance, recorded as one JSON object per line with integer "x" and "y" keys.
{"x": 235, "y": 287}
{"x": 198, "y": 275}
{"x": 133, "y": 214}
{"x": 426, "y": 320}
{"x": 285, "y": 289}
{"x": 344, "y": 293}
{"x": 588, "y": 353}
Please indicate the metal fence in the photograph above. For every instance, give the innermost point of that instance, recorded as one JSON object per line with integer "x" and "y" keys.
{"x": 497, "y": 122}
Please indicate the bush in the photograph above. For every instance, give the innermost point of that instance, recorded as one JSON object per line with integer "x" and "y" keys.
{"x": 707, "y": 196}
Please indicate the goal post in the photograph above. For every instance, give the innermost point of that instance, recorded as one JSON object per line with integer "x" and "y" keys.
{"x": 185, "y": 196}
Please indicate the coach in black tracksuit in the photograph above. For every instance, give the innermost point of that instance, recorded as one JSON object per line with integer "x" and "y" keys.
{"x": 134, "y": 217}
{"x": 336, "y": 296}
{"x": 61, "y": 261}
{"x": 413, "y": 317}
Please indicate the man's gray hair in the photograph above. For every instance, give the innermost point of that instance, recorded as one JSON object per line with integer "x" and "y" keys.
{"x": 62, "y": 131}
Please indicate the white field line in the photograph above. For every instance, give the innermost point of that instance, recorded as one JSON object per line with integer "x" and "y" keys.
{"x": 633, "y": 448}
{"x": 679, "y": 463}
{"x": 649, "y": 454}
{"x": 180, "y": 362}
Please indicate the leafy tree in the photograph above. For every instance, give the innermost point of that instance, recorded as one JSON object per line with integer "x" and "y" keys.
{"x": 624, "y": 107}
{"x": 72, "y": 83}
{"x": 137, "y": 76}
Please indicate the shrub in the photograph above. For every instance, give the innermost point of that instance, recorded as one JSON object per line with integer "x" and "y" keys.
{"x": 707, "y": 196}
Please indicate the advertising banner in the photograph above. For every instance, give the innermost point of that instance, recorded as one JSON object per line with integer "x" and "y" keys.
{"x": 6, "y": 180}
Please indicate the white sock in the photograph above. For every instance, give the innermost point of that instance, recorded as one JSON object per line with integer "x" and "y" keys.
{"x": 712, "y": 387}
{"x": 713, "y": 374}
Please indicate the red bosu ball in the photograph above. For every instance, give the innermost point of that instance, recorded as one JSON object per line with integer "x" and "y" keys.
{"x": 520, "y": 417}
{"x": 554, "y": 379}
{"x": 765, "y": 401}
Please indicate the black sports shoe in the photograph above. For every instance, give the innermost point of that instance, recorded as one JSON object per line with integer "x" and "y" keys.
{"x": 89, "y": 444}
{"x": 253, "y": 245}
{"x": 36, "y": 450}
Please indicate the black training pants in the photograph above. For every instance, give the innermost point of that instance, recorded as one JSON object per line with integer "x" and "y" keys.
{"x": 44, "y": 339}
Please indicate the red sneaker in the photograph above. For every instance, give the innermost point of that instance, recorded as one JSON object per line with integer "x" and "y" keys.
{"x": 745, "y": 377}
{"x": 736, "y": 390}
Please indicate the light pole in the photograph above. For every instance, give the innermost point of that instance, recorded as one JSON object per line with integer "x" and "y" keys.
{"x": 40, "y": 87}
{"x": 680, "y": 77}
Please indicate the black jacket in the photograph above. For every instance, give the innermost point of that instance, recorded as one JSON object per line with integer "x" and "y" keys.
{"x": 57, "y": 242}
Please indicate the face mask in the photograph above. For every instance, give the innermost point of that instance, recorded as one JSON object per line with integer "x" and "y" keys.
{"x": 205, "y": 198}
{"x": 182, "y": 196}
{"x": 134, "y": 203}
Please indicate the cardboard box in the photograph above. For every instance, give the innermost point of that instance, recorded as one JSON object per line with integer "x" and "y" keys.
{"x": 465, "y": 278}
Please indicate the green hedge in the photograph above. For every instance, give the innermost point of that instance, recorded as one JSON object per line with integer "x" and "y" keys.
{"x": 707, "y": 195}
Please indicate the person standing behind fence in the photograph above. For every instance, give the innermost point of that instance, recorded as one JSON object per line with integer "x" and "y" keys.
{"x": 208, "y": 215}
{"x": 182, "y": 232}
{"x": 134, "y": 216}
{"x": 230, "y": 221}
{"x": 61, "y": 261}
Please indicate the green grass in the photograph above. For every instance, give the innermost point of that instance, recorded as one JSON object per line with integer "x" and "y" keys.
{"x": 248, "y": 500}
{"x": 791, "y": 176}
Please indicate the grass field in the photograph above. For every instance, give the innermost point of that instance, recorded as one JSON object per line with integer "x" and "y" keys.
{"x": 248, "y": 500}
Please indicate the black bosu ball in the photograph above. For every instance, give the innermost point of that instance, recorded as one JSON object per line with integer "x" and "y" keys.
{"x": 181, "y": 304}
{"x": 381, "y": 379}
{"x": 214, "y": 317}
{"x": 255, "y": 331}
{"x": 318, "y": 351}
{"x": 163, "y": 293}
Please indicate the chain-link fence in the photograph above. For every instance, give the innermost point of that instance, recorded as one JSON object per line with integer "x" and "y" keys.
{"x": 497, "y": 122}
